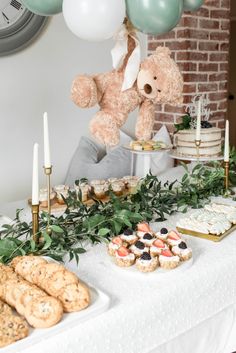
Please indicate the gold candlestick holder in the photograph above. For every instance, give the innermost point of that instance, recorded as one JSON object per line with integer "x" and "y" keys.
{"x": 48, "y": 172}
{"x": 198, "y": 144}
{"x": 35, "y": 221}
{"x": 226, "y": 167}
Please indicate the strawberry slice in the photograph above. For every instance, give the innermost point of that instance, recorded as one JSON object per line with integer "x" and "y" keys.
{"x": 144, "y": 227}
{"x": 166, "y": 253}
{"x": 123, "y": 251}
{"x": 173, "y": 235}
{"x": 159, "y": 243}
{"x": 117, "y": 241}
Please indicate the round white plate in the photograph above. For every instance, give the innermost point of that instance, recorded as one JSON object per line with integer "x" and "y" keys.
{"x": 127, "y": 147}
{"x": 158, "y": 273}
{"x": 175, "y": 155}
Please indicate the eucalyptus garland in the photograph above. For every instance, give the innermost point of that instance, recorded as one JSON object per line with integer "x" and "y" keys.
{"x": 82, "y": 224}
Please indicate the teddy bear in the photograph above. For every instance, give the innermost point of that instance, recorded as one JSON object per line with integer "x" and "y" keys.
{"x": 159, "y": 81}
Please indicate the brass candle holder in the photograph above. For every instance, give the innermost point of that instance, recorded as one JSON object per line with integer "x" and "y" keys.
{"x": 48, "y": 172}
{"x": 35, "y": 221}
{"x": 198, "y": 144}
{"x": 226, "y": 167}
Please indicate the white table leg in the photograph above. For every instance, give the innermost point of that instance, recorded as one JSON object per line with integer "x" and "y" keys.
{"x": 132, "y": 171}
{"x": 146, "y": 164}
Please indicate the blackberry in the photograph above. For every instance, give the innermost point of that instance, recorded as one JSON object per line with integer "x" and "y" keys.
{"x": 205, "y": 124}
{"x": 164, "y": 231}
{"x": 139, "y": 245}
{"x": 182, "y": 245}
{"x": 147, "y": 236}
{"x": 146, "y": 256}
{"x": 128, "y": 232}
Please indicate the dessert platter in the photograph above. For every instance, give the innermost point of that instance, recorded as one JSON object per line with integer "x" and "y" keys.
{"x": 39, "y": 298}
{"x": 144, "y": 251}
{"x": 88, "y": 191}
{"x": 214, "y": 222}
{"x": 149, "y": 146}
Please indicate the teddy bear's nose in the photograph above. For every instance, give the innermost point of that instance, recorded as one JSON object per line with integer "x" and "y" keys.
{"x": 147, "y": 89}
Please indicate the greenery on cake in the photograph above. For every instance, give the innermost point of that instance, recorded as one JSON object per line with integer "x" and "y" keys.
{"x": 189, "y": 122}
{"x": 81, "y": 224}
{"x": 185, "y": 123}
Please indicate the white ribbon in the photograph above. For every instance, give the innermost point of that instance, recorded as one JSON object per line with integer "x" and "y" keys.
{"x": 119, "y": 53}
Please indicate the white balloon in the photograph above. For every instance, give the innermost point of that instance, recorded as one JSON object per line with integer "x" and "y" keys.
{"x": 94, "y": 20}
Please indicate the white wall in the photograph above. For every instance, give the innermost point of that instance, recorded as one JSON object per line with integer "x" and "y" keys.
{"x": 35, "y": 80}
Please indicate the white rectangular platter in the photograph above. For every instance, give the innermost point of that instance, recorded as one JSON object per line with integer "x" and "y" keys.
{"x": 99, "y": 303}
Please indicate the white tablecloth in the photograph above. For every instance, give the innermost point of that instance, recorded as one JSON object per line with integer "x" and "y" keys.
{"x": 193, "y": 311}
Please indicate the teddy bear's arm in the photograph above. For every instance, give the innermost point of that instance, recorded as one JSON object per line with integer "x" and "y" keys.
{"x": 144, "y": 125}
{"x": 102, "y": 81}
{"x": 84, "y": 91}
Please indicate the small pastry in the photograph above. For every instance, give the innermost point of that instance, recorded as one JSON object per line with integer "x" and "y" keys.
{"x": 173, "y": 238}
{"x": 114, "y": 245}
{"x": 118, "y": 188}
{"x": 62, "y": 192}
{"x": 157, "y": 246}
{"x": 146, "y": 263}
{"x": 83, "y": 191}
{"x": 168, "y": 260}
{"x": 112, "y": 180}
{"x": 148, "y": 239}
{"x": 143, "y": 228}
{"x": 43, "y": 196}
{"x": 137, "y": 146}
{"x": 138, "y": 248}
{"x": 132, "y": 185}
{"x": 124, "y": 257}
{"x": 147, "y": 147}
{"x": 182, "y": 251}
{"x": 162, "y": 234}
{"x": 129, "y": 236}
{"x": 97, "y": 182}
{"x": 99, "y": 191}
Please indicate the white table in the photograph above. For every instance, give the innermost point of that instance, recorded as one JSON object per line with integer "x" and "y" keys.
{"x": 194, "y": 312}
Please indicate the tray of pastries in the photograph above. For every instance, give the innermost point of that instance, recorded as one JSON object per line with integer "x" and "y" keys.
{"x": 146, "y": 251}
{"x": 95, "y": 189}
{"x": 214, "y": 222}
{"x": 39, "y": 298}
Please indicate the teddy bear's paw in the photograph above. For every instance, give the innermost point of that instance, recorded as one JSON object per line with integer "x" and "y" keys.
{"x": 143, "y": 135}
{"x": 104, "y": 129}
{"x": 84, "y": 91}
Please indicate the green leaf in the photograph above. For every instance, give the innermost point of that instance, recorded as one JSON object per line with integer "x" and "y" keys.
{"x": 32, "y": 244}
{"x": 103, "y": 231}
{"x": 47, "y": 241}
{"x": 7, "y": 247}
{"x": 79, "y": 250}
{"x": 56, "y": 229}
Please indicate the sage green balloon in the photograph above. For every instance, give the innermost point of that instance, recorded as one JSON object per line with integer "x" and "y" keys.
{"x": 43, "y": 7}
{"x": 192, "y": 5}
{"x": 154, "y": 16}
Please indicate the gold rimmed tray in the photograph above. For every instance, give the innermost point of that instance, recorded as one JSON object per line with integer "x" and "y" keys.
{"x": 212, "y": 237}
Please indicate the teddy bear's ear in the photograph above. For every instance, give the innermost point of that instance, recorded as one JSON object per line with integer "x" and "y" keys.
{"x": 163, "y": 50}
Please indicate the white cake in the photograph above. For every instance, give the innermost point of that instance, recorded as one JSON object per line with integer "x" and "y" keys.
{"x": 210, "y": 142}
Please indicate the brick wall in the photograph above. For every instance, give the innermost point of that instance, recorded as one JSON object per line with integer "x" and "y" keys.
{"x": 200, "y": 46}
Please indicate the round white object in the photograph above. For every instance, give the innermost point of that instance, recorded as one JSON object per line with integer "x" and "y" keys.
{"x": 94, "y": 20}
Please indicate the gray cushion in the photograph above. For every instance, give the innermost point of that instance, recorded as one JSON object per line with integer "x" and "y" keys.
{"x": 86, "y": 164}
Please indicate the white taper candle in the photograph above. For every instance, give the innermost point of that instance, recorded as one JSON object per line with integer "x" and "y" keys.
{"x": 47, "y": 159}
{"x": 35, "y": 177}
{"x": 198, "y": 127}
{"x": 226, "y": 152}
